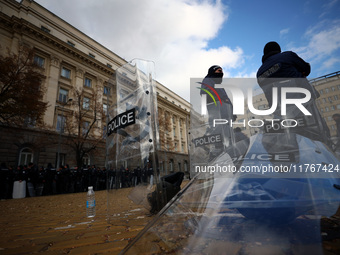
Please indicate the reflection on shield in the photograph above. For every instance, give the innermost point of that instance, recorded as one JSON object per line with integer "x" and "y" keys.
{"x": 269, "y": 193}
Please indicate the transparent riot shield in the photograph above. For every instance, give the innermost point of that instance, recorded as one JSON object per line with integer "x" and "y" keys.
{"x": 272, "y": 191}
{"x": 210, "y": 125}
{"x": 132, "y": 131}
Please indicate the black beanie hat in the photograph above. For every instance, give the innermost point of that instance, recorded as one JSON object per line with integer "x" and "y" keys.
{"x": 271, "y": 47}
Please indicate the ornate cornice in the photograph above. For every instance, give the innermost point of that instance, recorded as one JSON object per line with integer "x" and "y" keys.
{"x": 169, "y": 104}
{"x": 21, "y": 26}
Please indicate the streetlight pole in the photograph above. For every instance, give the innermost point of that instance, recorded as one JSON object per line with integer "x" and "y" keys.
{"x": 61, "y": 130}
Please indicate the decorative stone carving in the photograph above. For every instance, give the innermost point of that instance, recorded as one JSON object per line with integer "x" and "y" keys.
{"x": 79, "y": 72}
{"x": 55, "y": 61}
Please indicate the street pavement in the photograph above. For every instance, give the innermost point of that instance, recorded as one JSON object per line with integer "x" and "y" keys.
{"x": 58, "y": 224}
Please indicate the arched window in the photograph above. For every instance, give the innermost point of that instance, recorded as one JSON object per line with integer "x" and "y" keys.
{"x": 25, "y": 156}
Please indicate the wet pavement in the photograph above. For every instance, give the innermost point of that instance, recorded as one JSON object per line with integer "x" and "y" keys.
{"x": 58, "y": 224}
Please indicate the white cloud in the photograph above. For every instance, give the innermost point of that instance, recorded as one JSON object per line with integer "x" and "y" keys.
{"x": 284, "y": 31}
{"x": 327, "y": 7}
{"x": 323, "y": 44}
{"x": 174, "y": 34}
{"x": 330, "y": 63}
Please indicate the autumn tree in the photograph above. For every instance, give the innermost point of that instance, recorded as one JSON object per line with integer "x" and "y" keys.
{"x": 85, "y": 135}
{"x": 21, "y": 93}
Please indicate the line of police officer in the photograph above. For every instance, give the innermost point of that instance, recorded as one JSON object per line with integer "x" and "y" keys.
{"x": 42, "y": 181}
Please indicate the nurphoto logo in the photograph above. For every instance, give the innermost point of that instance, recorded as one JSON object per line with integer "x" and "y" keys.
{"x": 282, "y": 100}
{"x": 239, "y": 100}
{"x": 208, "y": 92}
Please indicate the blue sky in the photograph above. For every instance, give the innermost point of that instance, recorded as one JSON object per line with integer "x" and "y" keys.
{"x": 185, "y": 37}
{"x": 300, "y": 26}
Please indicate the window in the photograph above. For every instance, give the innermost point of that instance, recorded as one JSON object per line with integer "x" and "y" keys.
{"x": 333, "y": 88}
{"x": 105, "y": 108}
{"x": 63, "y": 95}
{"x": 62, "y": 161}
{"x": 332, "y": 108}
{"x": 86, "y": 103}
{"x": 336, "y": 97}
{"x": 86, "y": 125}
{"x": 61, "y": 123}
{"x": 338, "y": 106}
{"x": 88, "y": 83}
{"x": 321, "y": 91}
{"x": 171, "y": 163}
{"x": 108, "y": 65}
{"x": 106, "y": 90}
{"x": 66, "y": 73}
{"x": 324, "y": 100}
{"x": 326, "y": 90}
{"x": 25, "y": 156}
{"x": 39, "y": 61}
{"x": 91, "y": 55}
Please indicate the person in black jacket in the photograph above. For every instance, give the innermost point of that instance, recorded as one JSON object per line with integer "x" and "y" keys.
{"x": 277, "y": 64}
{"x": 287, "y": 64}
{"x": 215, "y": 76}
{"x": 289, "y": 67}
{"x": 218, "y": 110}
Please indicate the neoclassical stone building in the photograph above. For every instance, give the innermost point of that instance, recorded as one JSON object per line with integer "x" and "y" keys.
{"x": 329, "y": 101}
{"x": 73, "y": 62}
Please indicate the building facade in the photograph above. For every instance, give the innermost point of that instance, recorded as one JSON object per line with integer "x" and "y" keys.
{"x": 79, "y": 79}
{"x": 329, "y": 101}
